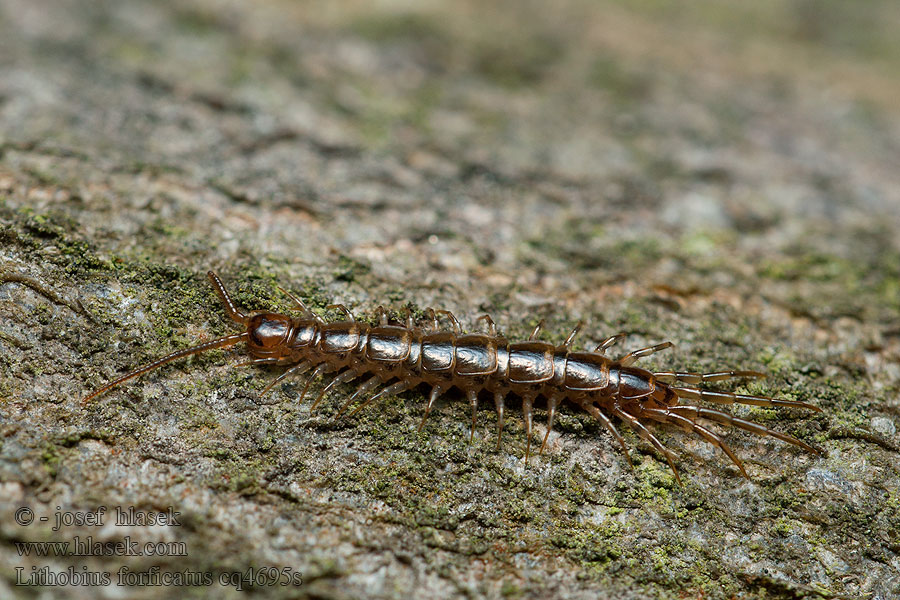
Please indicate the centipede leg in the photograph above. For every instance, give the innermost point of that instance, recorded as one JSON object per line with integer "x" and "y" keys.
{"x": 491, "y": 328}
{"x": 724, "y": 418}
{"x": 602, "y": 346}
{"x": 343, "y": 309}
{"x": 632, "y": 357}
{"x": 472, "y": 395}
{"x": 732, "y": 398}
{"x": 647, "y": 435}
{"x": 344, "y": 377}
{"x": 552, "y": 403}
{"x": 454, "y": 322}
{"x": 318, "y": 371}
{"x": 298, "y": 368}
{"x": 381, "y": 314}
{"x": 572, "y": 335}
{"x": 537, "y": 330}
{"x": 367, "y": 386}
{"x": 499, "y": 406}
{"x": 604, "y": 420}
{"x": 391, "y": 390}
{"x": 527, "y": 406}
{"x": 434, "y": 321}
{"x": 435, "y": 392}
{"x": 697, "y": 378}
{"x": 693, "y": 427}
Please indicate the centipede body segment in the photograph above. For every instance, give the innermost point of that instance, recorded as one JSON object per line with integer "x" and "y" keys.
{"x": 396, "y": 358}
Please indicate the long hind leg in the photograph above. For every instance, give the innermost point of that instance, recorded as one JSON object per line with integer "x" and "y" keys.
{"x": 696, "y": 378}
{"x": 732, "y": 398}
{"x": 647, "y": 435}
{"x": 695, "y": 412}
{"x": 693, "y": 427}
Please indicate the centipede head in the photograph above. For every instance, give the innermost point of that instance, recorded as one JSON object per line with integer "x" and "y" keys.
{"x": 269, "y": 334}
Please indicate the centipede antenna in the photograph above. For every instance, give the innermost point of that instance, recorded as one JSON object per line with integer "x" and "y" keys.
{"x": 222, "y": 342}
{"x": 236, "y": 315}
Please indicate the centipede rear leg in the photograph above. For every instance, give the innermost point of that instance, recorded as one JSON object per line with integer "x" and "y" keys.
{"x": 733, "y": 398}
{"x": 698, "y": 378}
{"x": 696, "y": 412}
{"x": 691, "y": 426}
{"x": 645, "y": 433}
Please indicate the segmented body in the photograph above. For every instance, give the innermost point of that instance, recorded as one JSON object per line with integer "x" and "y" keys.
{"x": 403, "y": 357}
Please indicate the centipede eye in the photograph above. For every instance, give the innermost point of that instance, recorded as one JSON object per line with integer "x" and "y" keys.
{"x": 268, "y": 330}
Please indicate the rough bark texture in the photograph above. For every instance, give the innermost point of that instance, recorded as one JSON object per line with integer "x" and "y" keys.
{"x": 723, "y": 175}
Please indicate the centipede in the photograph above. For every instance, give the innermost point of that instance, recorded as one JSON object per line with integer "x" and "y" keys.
{"x": 395, "y": 356}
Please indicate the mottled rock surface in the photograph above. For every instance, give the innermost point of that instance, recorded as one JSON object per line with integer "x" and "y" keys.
{"x": 722, "y": 175}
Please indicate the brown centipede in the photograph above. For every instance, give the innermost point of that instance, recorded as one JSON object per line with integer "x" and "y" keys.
{"x": 401, "y": 357}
